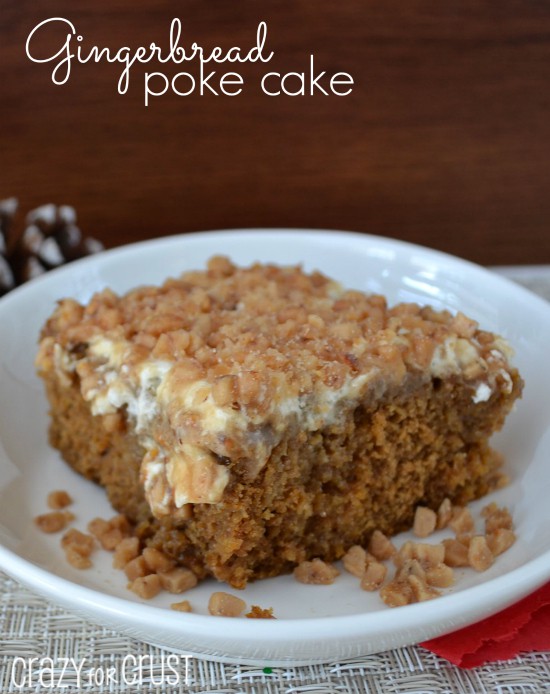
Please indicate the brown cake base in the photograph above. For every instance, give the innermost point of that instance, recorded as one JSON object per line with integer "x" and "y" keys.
{"x": 319, "y": 493}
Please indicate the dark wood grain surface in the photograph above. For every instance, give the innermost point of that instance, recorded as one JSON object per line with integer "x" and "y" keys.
{"x": 444, "y": 141}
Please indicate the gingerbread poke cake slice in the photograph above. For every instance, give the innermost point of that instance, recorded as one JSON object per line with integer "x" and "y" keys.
{"x": 248, "y": 419}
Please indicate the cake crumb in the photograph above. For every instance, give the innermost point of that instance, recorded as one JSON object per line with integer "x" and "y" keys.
{"x": 59, "y": 499}
{"x": 425, "y": 521}
{"x": 182, "y": 606}
{"x": 257, "y": 612}
{"x": 223, "y": 604}
{"x": 54, "y": 521}
{"x": 316, "y": 572}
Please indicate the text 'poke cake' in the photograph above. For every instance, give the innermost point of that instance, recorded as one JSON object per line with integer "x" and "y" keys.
{"x": 248, "y": 419}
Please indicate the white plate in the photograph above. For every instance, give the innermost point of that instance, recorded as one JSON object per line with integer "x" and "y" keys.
{"x": 314, "y": 623}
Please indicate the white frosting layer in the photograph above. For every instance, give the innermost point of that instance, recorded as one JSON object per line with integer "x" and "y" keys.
{"x": 457, "y": 355}
{"x": 190, "y": 473}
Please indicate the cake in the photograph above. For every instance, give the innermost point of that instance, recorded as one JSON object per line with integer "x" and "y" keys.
{"x": 248, "y": 419}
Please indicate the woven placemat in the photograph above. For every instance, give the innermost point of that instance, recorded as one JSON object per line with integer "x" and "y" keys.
{"x": 44, "y": 648}
{"x": 74, "y": 655}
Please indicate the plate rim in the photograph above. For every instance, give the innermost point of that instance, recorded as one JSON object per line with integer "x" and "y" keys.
{"x": 252, "y": 232}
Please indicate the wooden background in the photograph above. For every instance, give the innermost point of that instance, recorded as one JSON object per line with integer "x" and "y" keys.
{"x": 445, "y": 140}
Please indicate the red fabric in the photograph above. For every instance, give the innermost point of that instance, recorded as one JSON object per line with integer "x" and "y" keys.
{"x": 524, "y": 626}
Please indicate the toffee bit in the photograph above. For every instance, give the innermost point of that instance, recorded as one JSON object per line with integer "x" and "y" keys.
{"x": 500, "y": 540}
{"x": 456, "y": 553}
{"x": 380, "y": 546}
{"x": 355, "y": 561}
{"x": 479, "y": 555}
{"x": 316, "y": 572}
{"x": 444, "y": 514}
{"x": 461, "y": 520}
{"x": 223, "y": 604}
{"x": 146, "y": 587}
{"x": 257, "y": 612}
{"x": 374, "y": 576}
{"x": 54, "y": 521}
{"x": 425, "y": 521}
{"x": 178, "y": 580}
{"x": 59, "y": 499}
{"x": 78, "y": 547}
{"x": 126, "y": 550}
{"x": 182, "y": 606}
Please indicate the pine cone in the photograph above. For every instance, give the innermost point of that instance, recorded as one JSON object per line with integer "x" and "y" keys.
{"x": 8, "y": 208}
{"x": 50, "y": 238}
